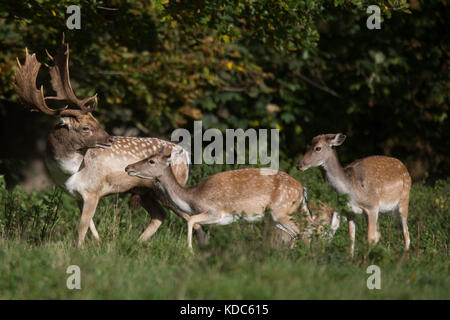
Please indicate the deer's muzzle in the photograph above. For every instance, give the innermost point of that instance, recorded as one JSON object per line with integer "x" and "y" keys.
{"x": 130, "y": 170}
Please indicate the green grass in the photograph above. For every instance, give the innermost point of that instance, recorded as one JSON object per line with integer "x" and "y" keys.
{"x": 38, "y": 233}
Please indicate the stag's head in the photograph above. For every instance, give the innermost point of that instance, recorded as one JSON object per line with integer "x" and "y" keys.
{"x": 319, "y": 150}
{"x": 84, "y": 130}
{"x": 152, "y": 167}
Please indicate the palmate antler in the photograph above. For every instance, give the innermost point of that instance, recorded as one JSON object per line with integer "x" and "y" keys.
{"x": 25, "y": 84}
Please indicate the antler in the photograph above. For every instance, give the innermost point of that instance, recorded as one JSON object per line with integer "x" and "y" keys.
{"x": 60, "y": 79}
{"x": 25, "y": 83}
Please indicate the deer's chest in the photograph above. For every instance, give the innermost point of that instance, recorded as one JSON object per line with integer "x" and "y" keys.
{"x": 65, "y": 173}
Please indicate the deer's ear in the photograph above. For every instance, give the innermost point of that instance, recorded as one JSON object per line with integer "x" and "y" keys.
{"x": 65, "y": 122}
{"x": 335, "y": 140}
{"x": 165, "y": 154}
{"x": 165, "y": 151}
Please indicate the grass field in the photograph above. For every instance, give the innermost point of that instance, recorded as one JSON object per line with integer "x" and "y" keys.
{"x": 38, "y": 233}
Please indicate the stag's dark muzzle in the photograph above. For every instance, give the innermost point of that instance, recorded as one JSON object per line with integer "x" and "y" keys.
{"x": 105, "y": 141}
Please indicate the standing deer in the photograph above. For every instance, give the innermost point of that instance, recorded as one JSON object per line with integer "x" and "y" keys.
{"x": 225, "y": 197}
{"x": 86, "y": 161}
{"x": 374, "y": 184}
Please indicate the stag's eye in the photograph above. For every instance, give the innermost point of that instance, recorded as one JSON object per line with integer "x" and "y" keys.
{"x": 151, "y": 161}
{"x": 318, "y": 149}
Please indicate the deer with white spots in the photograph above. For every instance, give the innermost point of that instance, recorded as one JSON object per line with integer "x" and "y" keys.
{"x": 374, "y": 184}
{"x": 227, "y": 196}
{"x": 323, "y": 220}
{"x": 86, "y": 161}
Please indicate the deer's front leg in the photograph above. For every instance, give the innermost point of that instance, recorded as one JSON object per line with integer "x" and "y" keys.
{"x": 197, "y": 228}
{"x": 351, "y": 232}
{"x": 91, "y": 224}
{"x": 158, "y": 215}
{"x": 89, "y": 206}
{"x": 373, "y": 235}
{"x": 202, "y": 218}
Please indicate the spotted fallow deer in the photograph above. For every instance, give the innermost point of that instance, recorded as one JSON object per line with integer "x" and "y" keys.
{"x": 374, "y": 184}
{"x": 227, "y": 196}
{"x": 323, "y": 220}
{"x": 86, "y": 161}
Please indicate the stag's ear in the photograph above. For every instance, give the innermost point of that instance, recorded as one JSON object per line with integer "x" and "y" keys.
{"x": 335, "y": 140}
{"x": 65, "y": 122}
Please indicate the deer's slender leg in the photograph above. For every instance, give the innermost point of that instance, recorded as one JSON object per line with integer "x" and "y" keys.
{"x": 286, "y": 224}
{"x": 91, "y": 223}
{"x": 202, "y": 218}
{"x": 197, "y": 228}
{"x": 94, "y": 230}
{"x": 89, "y": 206}
{"x": 352, "y": 232}
{"x": 280, "y": 237}
{"x": 373, "y": 236}
{"x": 403, "y": 210}
{"x": 157, "y": 214}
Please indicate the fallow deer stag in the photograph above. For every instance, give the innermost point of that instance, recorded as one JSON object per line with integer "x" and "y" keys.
{"x": 374, "y": 184}
{"x": 225, "y": 197}
{"x": 82, "y": 158}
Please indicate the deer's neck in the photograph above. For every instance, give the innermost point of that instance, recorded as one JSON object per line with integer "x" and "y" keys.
{"x": 180, "y": 197}
{"x": 63, "y": 152}
{"x": 336, "y": 175}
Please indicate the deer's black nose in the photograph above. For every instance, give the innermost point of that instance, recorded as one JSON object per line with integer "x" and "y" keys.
{"x": 299, "y": 166}
{"x": 127, "y": 168}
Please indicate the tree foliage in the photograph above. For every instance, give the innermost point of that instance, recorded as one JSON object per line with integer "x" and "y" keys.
{"x": 302, "y": 66}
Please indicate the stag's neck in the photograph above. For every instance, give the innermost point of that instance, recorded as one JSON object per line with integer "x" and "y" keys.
{"x": 62, "y": 151}
{"x": 336, "y": 175}
{"x": 180, "y": 197}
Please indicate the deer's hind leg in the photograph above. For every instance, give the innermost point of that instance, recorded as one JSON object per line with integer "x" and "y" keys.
{"x": 285, "y": 221}
{"x": 403, "y": 210}
{"x": 157, "y": 215}
{"x": 282, "y": 215}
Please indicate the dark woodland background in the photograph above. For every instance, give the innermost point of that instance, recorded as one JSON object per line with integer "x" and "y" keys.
{"x": 304, "y": 67}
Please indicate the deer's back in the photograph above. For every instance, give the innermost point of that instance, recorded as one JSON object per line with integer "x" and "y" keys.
{"x": 250, "y": 190}
{"x": 103, "y": 170}
{"x": 379, "y": 179}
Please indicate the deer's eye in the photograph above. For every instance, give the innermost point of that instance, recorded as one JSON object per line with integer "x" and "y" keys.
{"x": 317, "y": 149}
{"x": 151, "y": 161}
